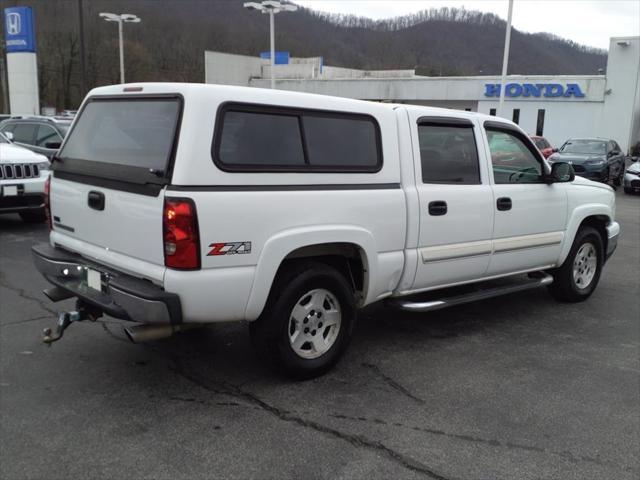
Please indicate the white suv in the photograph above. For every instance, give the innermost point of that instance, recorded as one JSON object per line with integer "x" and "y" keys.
{"x": 177, "y": 205}
{"x": 23, "y": 175}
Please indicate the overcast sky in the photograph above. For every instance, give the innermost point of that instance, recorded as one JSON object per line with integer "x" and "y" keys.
{"x": 589, "y": 22}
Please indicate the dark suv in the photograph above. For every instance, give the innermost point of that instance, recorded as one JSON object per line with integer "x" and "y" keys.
{"x": 40, "y": 134}
{"x": 597, "y": 159}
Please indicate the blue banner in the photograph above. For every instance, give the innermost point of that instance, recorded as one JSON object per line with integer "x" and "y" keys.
{"x": 19, "y": 33}
{"x": 281, "y": 58}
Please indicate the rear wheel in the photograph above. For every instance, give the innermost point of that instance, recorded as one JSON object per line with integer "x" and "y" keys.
{"x": 34, "y": 216}
{"x": 628, "y": 190}
{"x": 308, "y": 321}
{"x": 578, "y": 276}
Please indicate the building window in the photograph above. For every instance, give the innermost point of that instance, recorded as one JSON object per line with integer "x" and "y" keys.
{"x": 516, "y": 116}
{"x": 540, "y": 123}
{"x": 492, "y": 112}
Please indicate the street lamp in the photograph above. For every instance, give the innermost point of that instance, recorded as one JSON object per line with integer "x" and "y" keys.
{"x": 271, "y": 7}
{"x": 122, "y": 18}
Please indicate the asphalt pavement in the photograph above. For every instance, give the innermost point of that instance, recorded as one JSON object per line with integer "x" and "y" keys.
{"x": 518, "y": 387}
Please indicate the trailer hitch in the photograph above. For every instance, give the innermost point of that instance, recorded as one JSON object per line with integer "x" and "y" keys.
{"x": 65, "y": 319}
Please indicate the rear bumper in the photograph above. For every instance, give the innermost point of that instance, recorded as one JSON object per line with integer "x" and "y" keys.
{"x": 121, "y": 296}
{"x": 21, "y": 203}
{"x": 613, "y": 232}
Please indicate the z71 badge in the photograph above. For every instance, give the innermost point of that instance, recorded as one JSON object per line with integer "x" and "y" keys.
{"x": 229, "y": 248}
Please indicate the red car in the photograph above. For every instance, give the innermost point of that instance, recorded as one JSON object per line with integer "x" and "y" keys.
{"x": 543, "y": 145}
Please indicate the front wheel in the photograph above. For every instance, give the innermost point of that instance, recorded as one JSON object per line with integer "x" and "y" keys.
{"x": 618, "y": 180}
{"x": 308, "y": 321}
{"x": 578, "y": 276}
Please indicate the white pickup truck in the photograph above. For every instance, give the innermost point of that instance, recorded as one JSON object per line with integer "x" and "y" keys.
{"x": 175, "y": 205}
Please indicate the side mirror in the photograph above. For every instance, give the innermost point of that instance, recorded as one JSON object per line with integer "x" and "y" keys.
{"x": 53, "y": 145}
{"x": 613, "y": 153}
{"x": 554, "y": 150}
{"x": 561, "y": 172}
{"x": 9, "y": 136}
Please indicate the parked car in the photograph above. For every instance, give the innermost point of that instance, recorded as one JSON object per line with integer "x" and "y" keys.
{"x": 180, "y": 205}
{"x": 543, "y": 145}
{"x": 40, "y": 134}
{"x": 631, "y": 181}
{"x": 594, "y": 158}
{"x": 23, "y": 174}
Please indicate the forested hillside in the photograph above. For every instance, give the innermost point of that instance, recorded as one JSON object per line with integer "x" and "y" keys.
{"x": 169, "y": 44}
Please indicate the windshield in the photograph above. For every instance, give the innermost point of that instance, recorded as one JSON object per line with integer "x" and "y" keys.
{"x": 125, "y": 131}
{"x": 64, "y": 129}
{"x": 588, "y": 147}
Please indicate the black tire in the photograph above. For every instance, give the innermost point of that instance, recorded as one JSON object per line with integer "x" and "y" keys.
{"x": 618, "y": 180}
{"x": 34, "y": 216}
{"x": 628, "y": 190}
{"x": 564, "y": 287}
{"x": 270, "y": 332}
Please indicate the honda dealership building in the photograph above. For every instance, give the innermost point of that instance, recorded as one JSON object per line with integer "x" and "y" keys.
{"x": 556, "y": 106}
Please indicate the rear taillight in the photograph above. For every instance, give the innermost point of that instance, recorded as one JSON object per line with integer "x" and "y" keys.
{"x": 180, "y": 230}
{"x": 47, "y": 200}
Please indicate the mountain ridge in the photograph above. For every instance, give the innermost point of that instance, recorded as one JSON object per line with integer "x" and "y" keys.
{"x": 169, "y": 43}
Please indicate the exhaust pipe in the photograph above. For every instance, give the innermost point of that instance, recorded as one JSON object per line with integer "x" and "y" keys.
{"x": 151, "y": 333}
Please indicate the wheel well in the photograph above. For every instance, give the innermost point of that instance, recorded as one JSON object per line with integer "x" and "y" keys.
{"x": 599, "y": 222}
{"x": 348, "y": 258}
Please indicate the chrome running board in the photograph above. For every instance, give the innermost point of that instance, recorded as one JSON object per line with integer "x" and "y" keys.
{"x": 479, "y": 291}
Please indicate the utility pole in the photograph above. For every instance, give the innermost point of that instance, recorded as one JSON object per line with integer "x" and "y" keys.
{"x": 272, "y": 55}
{"x": 83, "y": 71}
{"x": 505, "y": 60}
{"x": 3, "y": 82}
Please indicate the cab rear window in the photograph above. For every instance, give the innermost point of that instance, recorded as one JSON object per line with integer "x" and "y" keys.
{"x": 129, "y": 132}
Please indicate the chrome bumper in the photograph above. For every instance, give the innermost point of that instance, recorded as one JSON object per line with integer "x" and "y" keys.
{"x": 121, "y": 295}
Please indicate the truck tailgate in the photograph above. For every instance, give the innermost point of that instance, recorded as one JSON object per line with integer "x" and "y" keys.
{"x": 129, "y": 223}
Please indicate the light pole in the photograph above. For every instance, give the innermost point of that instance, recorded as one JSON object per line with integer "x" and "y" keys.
{"x": 271, "y": 7}
{"x": 505, "y": 59}
{"x": 122, "y": 18}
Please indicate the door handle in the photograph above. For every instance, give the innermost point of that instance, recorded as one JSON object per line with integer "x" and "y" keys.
{"x": 96, "y": 200}
{"x": 504, "y": 203}
{"x": 437, "y": 208}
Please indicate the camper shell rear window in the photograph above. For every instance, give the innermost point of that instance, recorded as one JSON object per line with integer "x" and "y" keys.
{"x": 261, "y": 138}
{"x": 125, "y": 138}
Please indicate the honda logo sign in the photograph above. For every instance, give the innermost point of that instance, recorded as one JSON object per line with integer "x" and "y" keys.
{"x": 19, "y": 31}
{"x": 13, "y": 23}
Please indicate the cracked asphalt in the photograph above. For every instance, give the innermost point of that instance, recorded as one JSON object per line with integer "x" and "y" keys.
{"x": 515, "y": 387}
